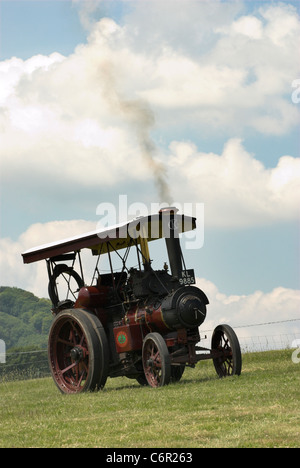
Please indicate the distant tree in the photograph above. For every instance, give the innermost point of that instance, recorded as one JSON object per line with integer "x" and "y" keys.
{"x": 25, "y": 319}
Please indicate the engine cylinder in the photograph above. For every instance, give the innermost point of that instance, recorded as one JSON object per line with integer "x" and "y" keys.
{"x": 185, "y": 308}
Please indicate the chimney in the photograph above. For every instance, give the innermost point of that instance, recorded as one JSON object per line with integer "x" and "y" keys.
{"x": 171, "y": 234}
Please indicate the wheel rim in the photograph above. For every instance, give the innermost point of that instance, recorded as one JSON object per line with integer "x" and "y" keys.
{"x": 69, "y": 355}
{"x": 225, "y": 343}
{"x": 156, "y": 360}
{"x": 224, "y": 364}
{"x": 152, "y": 364}
{"x": 69, "y": 286}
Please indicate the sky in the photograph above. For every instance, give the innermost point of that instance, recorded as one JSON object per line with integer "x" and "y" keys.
{"x": 102, "y": 99}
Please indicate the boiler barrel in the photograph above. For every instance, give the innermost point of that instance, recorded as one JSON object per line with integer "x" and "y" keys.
{"x": 185, "y": 308}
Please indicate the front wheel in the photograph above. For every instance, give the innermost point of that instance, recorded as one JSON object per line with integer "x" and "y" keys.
{"x": 226, "y": 345}
{"x": 156, "y": 360}
{"x": 75, "y": 353}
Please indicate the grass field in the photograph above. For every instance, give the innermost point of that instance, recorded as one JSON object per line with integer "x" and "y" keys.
{"x": 261, "y": 408}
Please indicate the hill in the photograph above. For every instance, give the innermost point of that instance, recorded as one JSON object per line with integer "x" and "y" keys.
{"x": 258, "y": 409}
{"x": 24, "y": 318}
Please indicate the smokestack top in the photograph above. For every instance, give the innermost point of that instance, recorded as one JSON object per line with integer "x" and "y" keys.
{"x": 168, "y": 210}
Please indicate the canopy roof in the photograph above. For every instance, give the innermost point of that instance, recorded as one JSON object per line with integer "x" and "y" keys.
{"x": 116, "y": 237}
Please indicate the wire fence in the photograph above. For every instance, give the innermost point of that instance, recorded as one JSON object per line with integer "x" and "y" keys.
{"x": 23, "y": 365}
{"x": 263, "y": 342}
{"x": 268, "y": 342}
{"x": 251, "y": 344}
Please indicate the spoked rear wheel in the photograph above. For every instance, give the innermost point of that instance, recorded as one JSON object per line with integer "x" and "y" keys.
{"x": 75, "y": 353}
{"x": 156, "y": 360}
{"x": 226, "y": 344}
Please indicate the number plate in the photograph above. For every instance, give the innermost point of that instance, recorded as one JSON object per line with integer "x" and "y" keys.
{"x": 187, "y": 277}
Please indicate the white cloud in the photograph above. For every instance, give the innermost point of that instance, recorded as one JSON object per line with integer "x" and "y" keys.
{"x": 236, "y": 188}
{"x": 282, "y": 23}
{"x": 14, "y": 70}
{"x": 246, "y": 71}
{"x": 243, "y": 312}
{"x": 63, "y": 119}
{"x": 249, "y": 26}
{"x": 33, "y": 277}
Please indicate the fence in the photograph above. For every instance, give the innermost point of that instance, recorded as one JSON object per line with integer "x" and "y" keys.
{"x": 268, "y": 342}
{"x": 263, "y": 342}
{"x": 25, "y": 365}
{"x": 250, "y": 344}
{"x": 34, "y": 364}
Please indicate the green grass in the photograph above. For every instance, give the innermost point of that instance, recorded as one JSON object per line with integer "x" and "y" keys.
{"x": 258, "y": 409}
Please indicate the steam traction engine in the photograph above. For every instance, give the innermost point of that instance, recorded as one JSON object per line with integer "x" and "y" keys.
{"x": 132, "y": 321}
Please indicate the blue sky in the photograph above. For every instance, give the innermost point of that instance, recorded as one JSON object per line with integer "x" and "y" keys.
{"x": 30, "y": 27}
{"x": 34, "y": 27}
{"x": 215, "y": 77}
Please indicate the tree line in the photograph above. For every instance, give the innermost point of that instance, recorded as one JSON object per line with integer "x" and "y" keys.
{"x": 25, "y": 321}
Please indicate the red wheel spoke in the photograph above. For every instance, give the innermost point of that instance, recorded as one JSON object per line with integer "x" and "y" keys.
{"x": 80, "y": 380}
{"x": 71, "y": 366}
{"x": 81, "y": 340}
{"x": 72, "y": 338}
{"x": 66, "y": 342}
